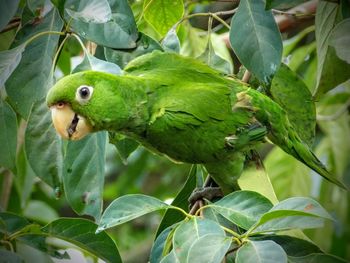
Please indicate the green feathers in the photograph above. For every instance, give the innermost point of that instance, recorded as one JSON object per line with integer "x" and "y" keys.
{"x": 185, "y": 110}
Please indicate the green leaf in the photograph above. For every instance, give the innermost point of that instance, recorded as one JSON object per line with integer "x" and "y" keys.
{"x": 283, "y": 4}
{"x": 331, "y": 70}
{"x": 43, "y": 145}
{"x": 163, "y": 14}
{"x": 213, "y": 60}
{"x": 171, "y": 42}
{"x": 40, "y": 211}
{"x": 291, "y": 93}
{"x": 173, "y": 216}
{"x": 317, "y": 258}
{"x": 124, "y": 145}
{"x": 8, "y": 135}
{"x": 92, "y": 11}
{"x": 261, "y": 251}
{"x": 13, "y": 223}
{"x": 9, "y": 60}
{"x": 340, "y": 39}
{"x": 170, "y": 258}
{"x": 145, "y": 44}
{"x": 293, "y": 246}
{"x": 81, "y": 232}
{"x": 31, "y": 79}
{"x": 160, "y": 244}
{"x": 209, "y": 248}
{"x": 10, "y": 257}
{"x": 92, "y": 63}
{"x": 295, "y": 212}
{"x": 188, "y": 232}
{"x": 128, "y": 207}
{"x": 8, "y": 9}
{"x": 256, "y": 40}
{"x": 243, "y": 208}
{"x": 83, "y": 174}
{"x": 118, "y": 32}
{"x": 289, "y": 176}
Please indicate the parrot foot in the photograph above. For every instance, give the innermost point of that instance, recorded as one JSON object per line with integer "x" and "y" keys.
{"x": 208, "y": 193}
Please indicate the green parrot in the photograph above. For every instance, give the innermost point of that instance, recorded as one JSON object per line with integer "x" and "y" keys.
{"x": 181, "y": 108}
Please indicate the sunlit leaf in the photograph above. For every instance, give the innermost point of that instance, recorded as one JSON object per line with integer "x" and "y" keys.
{"x": 81, "y": 232}
{"x": 128, "y": 207}
{"x": 95, "y": 11}
{"x": 118, "y": 32}
{"x": 261, "y": 251}
{"x": 31, "y": 79}
{"x": 189, "y": 232}
{"x": 291, "y": 93}
{"x": 295, "y": 212}
{"x": 255, "y": 39}
{"x": 163, "y": 14}
{"x": 83, "y": 174}
{"x": 43, "y": 145}
{"x": 242, "y": 207}
{"x": 340, "y": 39}
{"x": 8, "y": 135}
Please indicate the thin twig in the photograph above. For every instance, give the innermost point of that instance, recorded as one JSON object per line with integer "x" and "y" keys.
{"x": 246, "y": 76}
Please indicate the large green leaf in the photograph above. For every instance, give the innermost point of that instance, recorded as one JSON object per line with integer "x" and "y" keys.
{"x": 128, "y": 207}
{"x": 173, "y": 216}
{"x": 124, "y": 145}
{"x": 12, "y": 222}
{"x": 43, "y": 145}
{"x": 118, "y": 32}
{"x": 317, "y": 258}
{"x": 145, "y": 44}
{"x": 10, "y": 257}
{"x": 289, "y": 91}
{"x": 261, "y": 251}
{"x": 92, "y": 11}
{"x": 189, "y": 232}
{"x": 163, "y": 14}
{"x": 288, "y": 176}
{"x": 331, "y": 70}
{"x": 9, "y": 60}
{"x": 8, "y": 135}
{"x": 340, "y": 40}
{"x": 295, "y": 212}
{"x": 256, "y": 40}
{"x": 81, "y": 232}
{"x": 8, "y": 9}
{"x": 160, "y": 244}
{"x": 243, "y": 208}
{"x": 83, "y": 174}
{"x": 31, "y": 79}
{"x": 209, "y": 248}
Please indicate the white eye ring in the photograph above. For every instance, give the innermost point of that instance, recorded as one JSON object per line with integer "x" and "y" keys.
{"x": 83, "y": 94}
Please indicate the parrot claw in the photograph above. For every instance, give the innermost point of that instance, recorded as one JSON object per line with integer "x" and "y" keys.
{"x": 208, "y": 193}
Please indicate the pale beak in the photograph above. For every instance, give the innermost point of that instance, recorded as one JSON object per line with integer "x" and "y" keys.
{"x": 67, "y": 123}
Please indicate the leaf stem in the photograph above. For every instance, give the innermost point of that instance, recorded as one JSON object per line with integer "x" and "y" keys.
{"x": 42, "y": 34}
{"x": 233, "y": 233}
{"x": 182, "y": 211}
{"x": 57, "y": 53}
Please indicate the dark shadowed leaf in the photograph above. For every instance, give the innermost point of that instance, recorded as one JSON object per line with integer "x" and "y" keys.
{"x": 118, "y": 32}
{"x": 145, "y": 44}
{"x": 173, "y": 216}
{"x": 8, "y": 9}
{"x": 331, "y": 70}
{"x": 12, "y": 222}
{"x": 124, "y": 145}
{"x": 188, "y": 232}
{"x": 209, "y": 248}
{"x": 340, "y": 40}
{"x": 128, "y": 207}
{"x": 9, "y": 60}
{"x": 10, "y": 257}
{"x": 81, "y": 232}
{"x": 160, "y": 244}
{"x": 43, "y": 145}
{"x": 291, "y": 93}
{"x": 256, "y": 40}
{"x": 282, "y": 4}
{"x": 295, "y": 212}
{"x": 243, "y": 208}
{"x": 83, "y": 174}
{"x": 163, "y": 14}
{"x": 317, "y": 258}
{"x": 8, "y": 135}
{"x": 261, "y": 251}
{"x": 31, "y": 79}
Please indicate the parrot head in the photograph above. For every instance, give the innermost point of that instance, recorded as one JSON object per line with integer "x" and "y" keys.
{"x": 81, "y": 102}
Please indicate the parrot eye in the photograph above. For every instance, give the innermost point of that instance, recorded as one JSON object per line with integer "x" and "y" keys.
{"x": 83, "y": 94}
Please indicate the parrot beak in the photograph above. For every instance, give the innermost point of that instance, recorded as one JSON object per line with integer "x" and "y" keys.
{"x": 67, "y": 123}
